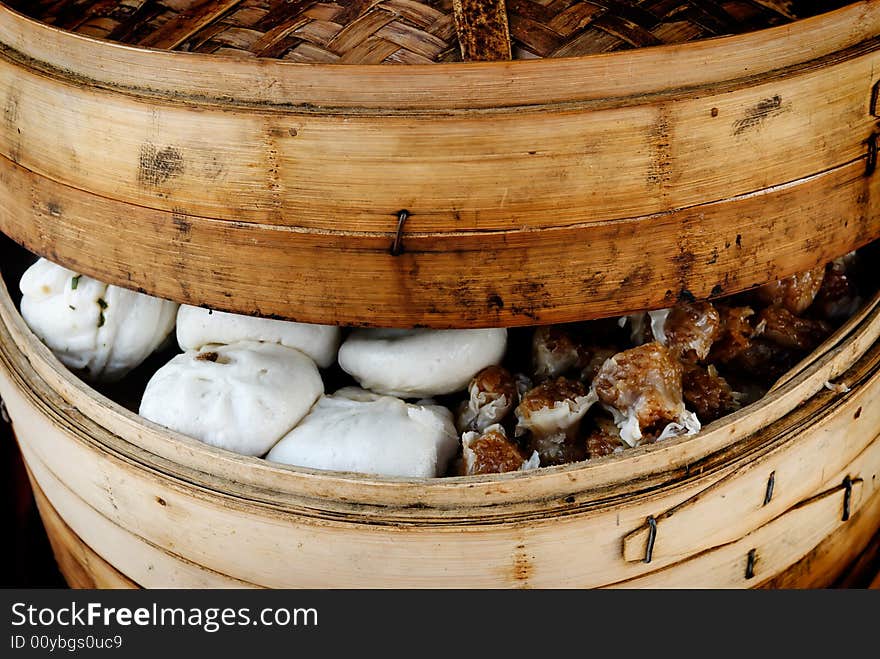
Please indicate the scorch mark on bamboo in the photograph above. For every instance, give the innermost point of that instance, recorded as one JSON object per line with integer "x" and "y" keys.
{"x": 158, "y": 166}
{"x": 183, "y": 224}
{"x": 494, "y": 301}
{"x": 214, "y": 169}
{"x": 660, "y": 168}
{"x": 10, "y": 109}
{"x": 638, "y": 277}
{"x": 11, "y": 117}
{"x": 522, "y": 564}
{"x": 757, "y": 114}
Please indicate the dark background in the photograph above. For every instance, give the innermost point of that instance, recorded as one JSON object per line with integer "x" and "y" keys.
{"x": 29, "y": 561}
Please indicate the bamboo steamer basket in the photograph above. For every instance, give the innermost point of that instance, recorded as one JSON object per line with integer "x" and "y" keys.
{"x": 255, "y": 177}
{"x": 783, "y": 492}
{"x": 444, "y": 194}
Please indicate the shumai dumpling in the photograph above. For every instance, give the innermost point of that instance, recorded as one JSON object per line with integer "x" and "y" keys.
{"x": 415, "y": 363}
{"x": 642, "y": 388}
{"x": 359, "y": 431}
{"x": 242, "y": 397}
{"x": 101, "y": 331}
{"x": 492, "y": 395}
{"x": 491, "y": 452}
{"x": 197, "y": 327}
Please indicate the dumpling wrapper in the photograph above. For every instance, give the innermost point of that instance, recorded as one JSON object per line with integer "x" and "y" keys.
{"x": 415, "y": 363}
{"x": 197, "y": 327}
{"x": 642, "y": 388}
{"x": 242, "y": 397}
{"x": 358, "y": 431}
{"x": 492, "y": 395}
{"x": 490, "y": 451}
{"x": 639, "y": 323}
{"x": 102, "y": 331}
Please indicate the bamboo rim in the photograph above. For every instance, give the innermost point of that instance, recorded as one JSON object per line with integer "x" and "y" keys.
{"x": 668, "y": 70}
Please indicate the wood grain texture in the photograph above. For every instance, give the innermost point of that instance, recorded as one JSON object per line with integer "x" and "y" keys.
{"x": 80, "y": 565}
{"x": 839, "y": 561}
{"x": 564, "y": 193}
{"x": 483, "y": 32}
{"x": 420, "y": 31}
{"x": 840, "y": 555}
{"x": 481, "y": 279}
{"x": 781, "y": 541}
{"x": 218, "y": 518}
{"x": 551, "y": 166}
{"x": 265, "y": 83}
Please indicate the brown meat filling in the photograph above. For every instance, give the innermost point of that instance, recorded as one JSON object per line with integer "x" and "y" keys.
{"x": 707, "y": 394}
{"x": 691, "y": 328}
{"x": 646, "y": 381}
{"x": 493, "y": 453}
{"x": 795, "y": 293}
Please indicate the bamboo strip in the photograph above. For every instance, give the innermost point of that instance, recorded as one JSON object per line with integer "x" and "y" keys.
{"x": 848, "y": 558}
{"x": 741, "y": 494}
{"x": 776, "y": 545}
{"x": 80, "y": 565}
{"x": 137, "y": 557}
{"x": 441, "y": 280}
{"x": 462, "y": 172}
{"x": 636, "y": 73}
{"x": 174, "y": 33}
{"x": 483, "y": 33}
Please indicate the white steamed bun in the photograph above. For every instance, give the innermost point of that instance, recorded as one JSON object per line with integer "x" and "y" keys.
{"x": 197, "y": 327}
{"x": 100, "y": 330}
{"x": 242, "y": 397}
{"x": 414, "y": 363}
{"x": 359, "y": 431}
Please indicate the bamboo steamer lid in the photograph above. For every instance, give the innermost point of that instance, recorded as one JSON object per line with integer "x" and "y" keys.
{"x": 406, "y": 31}
{"x": 219, "y": 153}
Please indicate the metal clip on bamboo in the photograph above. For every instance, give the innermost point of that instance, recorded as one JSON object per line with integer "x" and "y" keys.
{"x": 280, "y": 167}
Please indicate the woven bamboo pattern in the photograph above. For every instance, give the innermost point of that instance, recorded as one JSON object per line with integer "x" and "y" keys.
{"x": 406, "y": 31}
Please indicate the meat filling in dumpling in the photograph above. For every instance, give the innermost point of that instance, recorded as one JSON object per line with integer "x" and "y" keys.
{"x": 492, "y": 395}
{"x": 555, "y": 352}
{"x": 603, "y": 437}
{"x": 491, "y": 452}
{"x": 779, "y": 325}
{"x": 839, "y": 297}
{"x": 707, "y": 393}
{"x": 642, "y": 388}
{"x": 690, "y": 329}
{"x": 550, "y": 416}
{"x": 794, "y": 293}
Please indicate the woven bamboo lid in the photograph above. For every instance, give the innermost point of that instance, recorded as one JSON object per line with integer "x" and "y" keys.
{"x": 556, "y": 187}
{"x": 411, "y": 31}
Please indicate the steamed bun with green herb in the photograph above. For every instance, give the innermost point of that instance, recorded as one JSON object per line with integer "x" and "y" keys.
{"x": 100, "y": 331}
